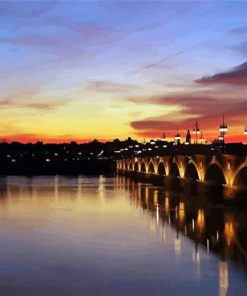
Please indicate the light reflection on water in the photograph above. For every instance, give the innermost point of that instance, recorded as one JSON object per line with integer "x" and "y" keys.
{"x": 112, "y": 236}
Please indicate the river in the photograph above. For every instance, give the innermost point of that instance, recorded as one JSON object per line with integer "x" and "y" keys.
{"x": 113, "y": 236}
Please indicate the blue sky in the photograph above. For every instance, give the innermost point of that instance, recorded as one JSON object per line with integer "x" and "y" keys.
{"x": 121, "y": 68}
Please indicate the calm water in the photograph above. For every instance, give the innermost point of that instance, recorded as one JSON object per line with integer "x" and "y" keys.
{"x": 111, "y": 236}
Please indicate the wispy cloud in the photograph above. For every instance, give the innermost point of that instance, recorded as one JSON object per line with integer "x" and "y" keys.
{"x": 48, "y": 106}
{"x": 237, "y": 75}
{"x": 109, "y": 86}
{"x": 241, "y": 48}
{"x": 33, "y": 41}
{"x": 15, "y": 9}
{"x": 196, "y": 104}
{"x": 238, "y": 31}
{"x": 11, "y": 102}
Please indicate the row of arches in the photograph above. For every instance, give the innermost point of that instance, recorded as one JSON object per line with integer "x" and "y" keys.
{"x": 213, "y": 173}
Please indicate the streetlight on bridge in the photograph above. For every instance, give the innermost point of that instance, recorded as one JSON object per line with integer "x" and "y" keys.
{"x": 223, "y": 128}
{"x": 177, "y": 138}
{"x": 223, "y": 131}
{"x": 202, "y": 139}
{"x": 196, "y": 131}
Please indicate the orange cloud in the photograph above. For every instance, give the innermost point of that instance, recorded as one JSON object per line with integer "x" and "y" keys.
{"x": 207, "y": 110}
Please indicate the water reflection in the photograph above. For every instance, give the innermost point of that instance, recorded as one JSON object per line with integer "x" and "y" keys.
{"x": 219, "y": 228}
{"x": 223, "y": 278}
{"x": 113, "y": 236}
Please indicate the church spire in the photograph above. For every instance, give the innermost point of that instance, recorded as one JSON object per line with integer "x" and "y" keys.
{"x": 188, "y": 137}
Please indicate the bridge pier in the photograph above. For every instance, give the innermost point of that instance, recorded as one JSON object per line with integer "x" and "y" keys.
{"x": 226, "y": 170}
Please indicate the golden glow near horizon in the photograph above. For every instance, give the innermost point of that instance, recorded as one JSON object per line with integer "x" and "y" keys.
{"x": 86, "y": 121}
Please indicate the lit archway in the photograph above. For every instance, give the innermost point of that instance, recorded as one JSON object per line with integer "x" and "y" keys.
{"x": 241, "y": 178}
{"x": 143, "y": 167}
{"x": 174, "y": 171}
{"x": 151, "y": 168}
{"x": 136, "y": 169}
{"x": 161, "y": 169}
{"x": 191, "y": 172}
{"x": 214, "y": 174}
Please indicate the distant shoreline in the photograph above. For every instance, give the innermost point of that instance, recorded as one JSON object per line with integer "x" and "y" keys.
{"x": 89, "y": 167}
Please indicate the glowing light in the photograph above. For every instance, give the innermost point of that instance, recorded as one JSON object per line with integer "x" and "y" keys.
{"x": 193, "y": 225}
{"x": 223, "y": 278}
{"x": 181, "y": 212}
{"x": 196, "y": 256}
{"x": 196, "y": 131}
{"x": 167, "y": 205}
{"x": 229, "y": 232}
{"x": 157, "y": 214}
{"x": 200, "y": 222}
{"x": 177, "y": 137}
{"x": 177, "y": 245}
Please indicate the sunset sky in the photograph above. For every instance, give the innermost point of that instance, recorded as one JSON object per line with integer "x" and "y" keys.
{"x": 98, "y": 69}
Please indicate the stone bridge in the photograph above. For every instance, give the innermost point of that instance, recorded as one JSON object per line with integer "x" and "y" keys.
{"x": 228, "y": 170}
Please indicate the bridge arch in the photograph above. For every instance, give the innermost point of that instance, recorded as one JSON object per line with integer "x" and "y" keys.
{"x": 174, "y": 170}
{"x": 151, "y": 168}
{"x": 191, "y": 171}
{"x": 131, "y": 166}
{"x": 241, "y": 176}
{"x": 143, "y": 167}
{"x": 161, "y": 169}
{"x": 215, "y": 174}
{"x": 136, "y": 166}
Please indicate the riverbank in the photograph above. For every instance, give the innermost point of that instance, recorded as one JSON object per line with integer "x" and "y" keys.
{"x": 89, "y": 167}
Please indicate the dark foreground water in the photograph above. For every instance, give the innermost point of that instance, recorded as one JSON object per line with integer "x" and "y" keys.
{"x": 111, "y": 236}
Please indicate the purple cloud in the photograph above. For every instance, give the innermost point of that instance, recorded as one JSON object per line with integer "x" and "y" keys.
{"x": 206, "y": 109}
{"x": 237, "y": 75}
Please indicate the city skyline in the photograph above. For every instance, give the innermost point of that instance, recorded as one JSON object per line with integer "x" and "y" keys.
{"x": 115, "y": 69}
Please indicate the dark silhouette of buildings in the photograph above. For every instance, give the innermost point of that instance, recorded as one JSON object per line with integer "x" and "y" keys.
{"x": 96, "y": 157}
